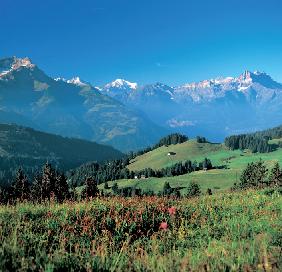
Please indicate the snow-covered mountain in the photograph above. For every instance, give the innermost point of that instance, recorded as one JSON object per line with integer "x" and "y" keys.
{"x": 75, "y": 80}
{"x": 8, "y": 65}
{"x": 71, "y": 107}
{"x": 263, "y": 85}
{"x": 250, "y": 101}
{"x": 197, "y": 92}
{"x": 119, "y": 89}
{"x": 131, "y": 116}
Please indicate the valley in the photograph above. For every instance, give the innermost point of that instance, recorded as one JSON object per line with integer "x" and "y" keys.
{"x": 140, "y": 136}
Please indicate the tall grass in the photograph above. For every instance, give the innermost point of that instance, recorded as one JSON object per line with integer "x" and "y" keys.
{"x": 226, "y": 232}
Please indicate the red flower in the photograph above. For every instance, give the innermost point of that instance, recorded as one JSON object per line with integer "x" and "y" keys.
{"x": 49, "y": 214}
{"x": 164, "y": 226}
{"x": 172, "y": 211}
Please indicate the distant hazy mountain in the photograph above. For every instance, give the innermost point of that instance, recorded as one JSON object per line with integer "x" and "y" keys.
{"x": 130, "y": 116}
{"x": 69, "y": 107}
{"x": 214, "y": 108}
{"x": 31, "y": 149}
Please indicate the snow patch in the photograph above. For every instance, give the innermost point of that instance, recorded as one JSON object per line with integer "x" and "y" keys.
{"x": 77, "y": 81}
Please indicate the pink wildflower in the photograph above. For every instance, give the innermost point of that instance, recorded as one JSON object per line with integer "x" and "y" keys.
{"x": 164, "y": 226}
{"x": 172, "y": 211}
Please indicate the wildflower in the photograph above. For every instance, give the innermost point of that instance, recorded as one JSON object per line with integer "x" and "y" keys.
{"x": 172, "y": 211}
{"x": 164, "y": 225}
{"x": 49, "y": 214}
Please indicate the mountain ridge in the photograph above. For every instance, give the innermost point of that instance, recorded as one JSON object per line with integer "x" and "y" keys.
{"x": 131, "y": 116}
{"x": 250, "y": 101}
{"x": 30, "y": 149}
{"x": 71, "y": 108}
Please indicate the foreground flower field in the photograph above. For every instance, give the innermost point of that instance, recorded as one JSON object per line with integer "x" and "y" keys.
{"x": 226, "y": 232}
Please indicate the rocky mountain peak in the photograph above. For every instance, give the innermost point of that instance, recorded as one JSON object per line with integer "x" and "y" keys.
{"x": 10, "y": 64}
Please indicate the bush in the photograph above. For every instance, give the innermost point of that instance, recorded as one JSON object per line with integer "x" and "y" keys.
{"x": 193, "y": 189}
{"x": 253, "y": 176}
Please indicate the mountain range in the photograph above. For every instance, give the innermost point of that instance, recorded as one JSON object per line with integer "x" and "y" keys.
{"x": 130, "y": 116}
{"x": 70, "y": 108}
{"x": 214, "y": 108}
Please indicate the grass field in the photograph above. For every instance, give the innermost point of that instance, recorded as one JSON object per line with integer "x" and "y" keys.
{"x": 224, "y": 232}
{"x": 215, "y": 179}
{"x": 217, "y": 153}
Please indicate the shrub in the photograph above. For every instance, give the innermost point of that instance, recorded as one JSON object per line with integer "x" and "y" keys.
{"x": 193, "y": 189}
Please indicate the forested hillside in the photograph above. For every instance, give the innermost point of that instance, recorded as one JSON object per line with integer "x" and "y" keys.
{"x": 30, "y": 149}
{"x": 256, "y": 142}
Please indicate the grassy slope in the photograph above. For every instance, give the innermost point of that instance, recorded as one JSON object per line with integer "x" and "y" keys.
{"x": 216, "y": 179}
{"x": 225, "y": 232}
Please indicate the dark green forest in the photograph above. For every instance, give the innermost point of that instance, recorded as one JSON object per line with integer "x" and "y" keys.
{"x": 256, "y": 142}
{"x": 30, "y": 149}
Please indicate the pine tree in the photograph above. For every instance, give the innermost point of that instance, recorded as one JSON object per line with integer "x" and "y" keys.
{"x": 115, "y": 188}
{"x": 20, "y": 188}
{"x": 36, "y": 189}
{"x": 61, "y": 187}
{"x": 206, "y": 164}
{"x": 91, "y": 189}
{"x": 48, "y": 181}
{"x": 275, "y": 177}
{"x": 254, "y": 175}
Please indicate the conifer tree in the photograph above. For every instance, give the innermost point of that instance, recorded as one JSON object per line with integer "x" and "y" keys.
{"x": 61, "y": 187}
{"x": 48, "y": 181}
{"x": 91, "y": 189}
{"x": 36, "y": 189}
{"x": 20, "y": 188}
{"x": 254, "y": 175}
{"x": 115, "y": 188}
{"x": 275, "y": 177}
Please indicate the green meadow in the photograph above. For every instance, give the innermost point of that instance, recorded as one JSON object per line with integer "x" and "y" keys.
{"x": 233, "y": 162}
{"x": 224, "y": 232}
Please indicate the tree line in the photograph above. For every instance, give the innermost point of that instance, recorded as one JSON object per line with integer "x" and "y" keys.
{"x": 256, "y": 175}
{"x": 51, "y": 185}
{"x": 251, "y": 142}
{"x": 177, "y": 169}
{"x": 193, "y": 190}
{"x": 256, "y": 142}
{"x": 117, "y": 169}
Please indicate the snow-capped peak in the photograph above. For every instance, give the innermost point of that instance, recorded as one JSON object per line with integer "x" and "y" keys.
{"x": 8, "y": 65}
{"x": 77, "y": 81}
{"x": 246, "y": 75}
{"x": 24, "y": 62}
{"x": 123, "y": 84}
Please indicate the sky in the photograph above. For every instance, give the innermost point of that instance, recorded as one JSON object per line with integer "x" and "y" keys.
{"x": 144, "y": 41}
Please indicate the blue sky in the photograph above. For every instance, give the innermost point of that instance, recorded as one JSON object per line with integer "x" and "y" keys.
{"x": 146, "y": 41}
